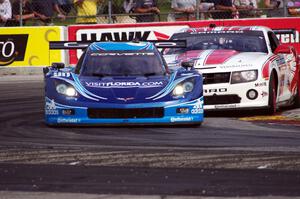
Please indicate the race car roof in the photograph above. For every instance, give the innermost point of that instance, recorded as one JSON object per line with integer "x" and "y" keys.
{"x": 226, "y": 28}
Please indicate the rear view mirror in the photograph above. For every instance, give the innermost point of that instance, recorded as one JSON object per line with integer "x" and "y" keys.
{"x": 187, "y": 64}
{"x": 58, "y": 65}
{"x": 281, "y": 49}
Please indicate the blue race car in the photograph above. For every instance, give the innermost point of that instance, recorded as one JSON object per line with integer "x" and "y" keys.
{"x": 122, "y": 83}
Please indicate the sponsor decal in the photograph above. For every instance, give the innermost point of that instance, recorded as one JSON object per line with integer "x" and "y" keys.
{"x": 61, "y": 74}
{"x": 236, "y": 66}
{"x": 123, "y": 54}
{"x": 197, "y": 109}
{"x": 289, "y": 38}
{"x": 264, "y": 94}
{"x": 225, "y": 106}
{"x": 281, "y": 60}
{"x": 219, "y": 32}
{"x": 215, "y": 90}
{"x": 12, "y": 48}
{"x": 68, "y": 120}
{"x": 50, "y": 108}
{"x": 123, "y": 84}
{"x": 260, "y": 84}
{"x": 181, "y": 119}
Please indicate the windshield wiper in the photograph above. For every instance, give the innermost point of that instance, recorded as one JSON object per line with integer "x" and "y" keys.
{"x": 150, "y": 74}
{"x": 101, "y": 74}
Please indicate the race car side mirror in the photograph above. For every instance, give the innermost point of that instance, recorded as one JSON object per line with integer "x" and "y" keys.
{"x": 45, "y": 70}
{"x": 187, "y": 64}
{"x": 58, "y": 65}
{"x": 281, "y": 49}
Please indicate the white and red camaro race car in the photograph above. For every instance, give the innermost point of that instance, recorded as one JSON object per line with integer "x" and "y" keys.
{"x": 243, "y": 67}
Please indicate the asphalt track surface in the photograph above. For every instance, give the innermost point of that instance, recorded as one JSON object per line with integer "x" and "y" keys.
{"x": 223, "y": 157}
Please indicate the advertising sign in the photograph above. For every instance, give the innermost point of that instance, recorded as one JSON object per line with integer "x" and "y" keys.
{"x": 120, "y": 33}
{"x": 163, "y": 30}
{"x": 29, "y": 46}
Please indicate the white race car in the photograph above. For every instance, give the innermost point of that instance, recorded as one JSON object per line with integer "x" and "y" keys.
{"x": 243, "y": 67}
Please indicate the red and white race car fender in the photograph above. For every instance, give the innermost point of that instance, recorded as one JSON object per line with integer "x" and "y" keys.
{"x": 268, "y": 66}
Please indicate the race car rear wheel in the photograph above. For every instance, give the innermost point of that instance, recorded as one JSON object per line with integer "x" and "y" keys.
{"x": 272, "y": 95}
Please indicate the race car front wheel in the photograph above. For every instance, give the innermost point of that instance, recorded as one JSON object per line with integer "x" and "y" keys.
{"x": 272, "y": 96}
{"x": 297, "y": 97}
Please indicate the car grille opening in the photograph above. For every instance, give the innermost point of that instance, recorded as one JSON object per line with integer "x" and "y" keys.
{"x": 126, "y": 113}
{"x": 221, "y": 99}
{"x": 216, "y": 78}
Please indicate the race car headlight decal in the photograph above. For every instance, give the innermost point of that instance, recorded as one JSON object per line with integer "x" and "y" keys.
{"x": 66, "y": 90}
{"x": 181, "y": 89}
{"x": 244, "y": 76}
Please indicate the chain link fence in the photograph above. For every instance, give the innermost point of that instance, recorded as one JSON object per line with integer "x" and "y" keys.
{"x": 67, "y": 12}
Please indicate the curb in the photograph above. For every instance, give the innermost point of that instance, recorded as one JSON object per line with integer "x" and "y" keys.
{"x": 289, "y": 117}
{"x": 21, "y": 71}
{"x": 293, "y": 114}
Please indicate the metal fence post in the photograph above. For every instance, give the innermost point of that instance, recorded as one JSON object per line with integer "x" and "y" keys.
{"x": 198, "y": 9}
{"x": 285, "y": 10}
{"x": 109, "y": 11}
{"x": 21, "y": 13}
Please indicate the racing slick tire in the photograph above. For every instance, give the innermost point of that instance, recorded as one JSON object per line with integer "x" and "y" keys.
{"x": 296, "y": 103}
{"x": 297, "y": 97}
{"x": 272, "y": 106}
{"x": 196, "y": 125}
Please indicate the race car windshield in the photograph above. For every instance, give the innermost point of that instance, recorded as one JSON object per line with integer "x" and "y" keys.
{"x": 243, "y": 41}
{"x": 122, "y": 63}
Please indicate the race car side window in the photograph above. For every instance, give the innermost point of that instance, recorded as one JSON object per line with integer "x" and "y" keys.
{"x": 273, "y": 40}
{"x": 79, "y": 63}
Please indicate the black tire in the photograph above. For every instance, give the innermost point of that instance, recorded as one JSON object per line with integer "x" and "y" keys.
{"x": 297, "y": 98}
{"x": 194, "y": 125}
{"x": 197, "y": 125}
{"x": 272, "y": 106}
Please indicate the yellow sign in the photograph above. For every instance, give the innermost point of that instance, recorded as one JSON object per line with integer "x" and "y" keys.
{"x": 29, "y": 46}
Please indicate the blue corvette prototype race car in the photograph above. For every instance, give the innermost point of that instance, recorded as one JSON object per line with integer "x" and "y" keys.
{"x": 122, "y": 83}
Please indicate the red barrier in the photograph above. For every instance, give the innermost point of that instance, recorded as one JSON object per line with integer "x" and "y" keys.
{"x": 163, "y": 30}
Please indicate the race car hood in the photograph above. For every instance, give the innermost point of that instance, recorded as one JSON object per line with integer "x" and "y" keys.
{"x": 225, "y": 60}
{"x": 123, "y": 90}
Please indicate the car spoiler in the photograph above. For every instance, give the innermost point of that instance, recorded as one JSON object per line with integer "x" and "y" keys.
{"x": 66, "y": 45}
{"x": 284, "y": 31}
